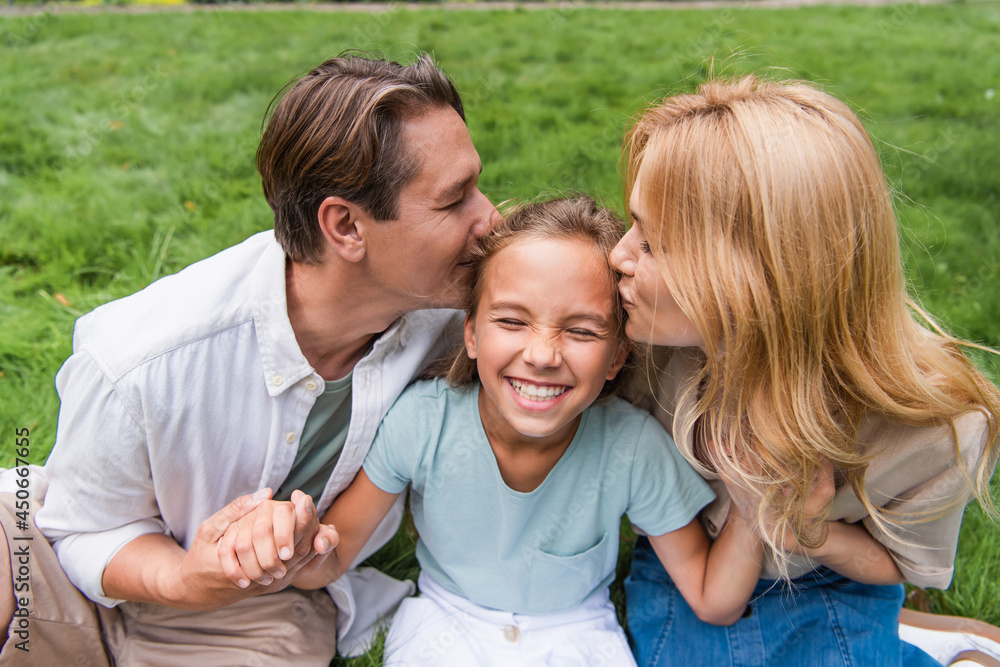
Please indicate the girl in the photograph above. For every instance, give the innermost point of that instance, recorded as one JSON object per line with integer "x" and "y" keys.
{"x": 521, "y": 466}
{"x": 764, "y": 243}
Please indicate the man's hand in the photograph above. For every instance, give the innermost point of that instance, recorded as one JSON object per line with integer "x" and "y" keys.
{"x": 154, "y": 568}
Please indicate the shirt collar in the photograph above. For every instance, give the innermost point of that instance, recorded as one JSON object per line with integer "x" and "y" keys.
{"x": 282, "y": 360}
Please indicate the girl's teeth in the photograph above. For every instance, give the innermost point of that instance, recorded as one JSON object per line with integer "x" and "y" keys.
{"x": 533, "y": 392}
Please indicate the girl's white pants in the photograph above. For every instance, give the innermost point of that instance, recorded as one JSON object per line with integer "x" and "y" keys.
{"x": 442, "y": 629}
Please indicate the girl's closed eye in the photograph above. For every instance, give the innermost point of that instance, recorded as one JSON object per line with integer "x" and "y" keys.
{"x": 585, "y": 333}
{"x": 644, "y": 247}
{"x": 508, "y": 322}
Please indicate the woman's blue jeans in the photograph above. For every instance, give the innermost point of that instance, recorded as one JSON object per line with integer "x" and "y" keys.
{"x": 822, "y": 619}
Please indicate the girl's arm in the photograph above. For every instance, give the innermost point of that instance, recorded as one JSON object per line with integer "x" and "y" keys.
{"x": 716, "y": 578}
{"x": 251, "y": 548}
{"x": 356, "y": 513}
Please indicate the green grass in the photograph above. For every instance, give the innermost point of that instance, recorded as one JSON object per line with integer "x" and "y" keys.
{"x": 127, "y": 141}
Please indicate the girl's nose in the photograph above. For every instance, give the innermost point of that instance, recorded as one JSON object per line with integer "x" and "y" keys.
{"x": 541, "y": 352}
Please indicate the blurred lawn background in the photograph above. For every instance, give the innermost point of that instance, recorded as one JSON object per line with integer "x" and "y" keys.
{"x": 127, "y": 143}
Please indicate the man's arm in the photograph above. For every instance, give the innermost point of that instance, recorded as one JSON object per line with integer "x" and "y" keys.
{"x": 154, "y": 568}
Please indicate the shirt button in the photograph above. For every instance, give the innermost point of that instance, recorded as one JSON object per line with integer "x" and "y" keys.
{"x": 290, "y": 437}
{"x": 511, "y": 633}
{"x": 311, "y": 386}
{"x": 277, "y": 380}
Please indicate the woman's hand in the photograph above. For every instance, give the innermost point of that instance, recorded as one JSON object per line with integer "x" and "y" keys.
{"x": 848, "y": 549}
{"x": 816, "y": 507}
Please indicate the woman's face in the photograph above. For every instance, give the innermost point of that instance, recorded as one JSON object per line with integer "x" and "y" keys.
{"x": 653, "y": 315}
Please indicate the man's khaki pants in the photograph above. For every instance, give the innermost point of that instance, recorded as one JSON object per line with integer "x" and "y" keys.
{"x": 60, "y": 627}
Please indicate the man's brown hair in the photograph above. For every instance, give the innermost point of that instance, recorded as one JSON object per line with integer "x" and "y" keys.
{"x": 338, "y": 133}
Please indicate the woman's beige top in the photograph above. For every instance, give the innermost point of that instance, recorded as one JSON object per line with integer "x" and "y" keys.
{"x": 915, "y": 470}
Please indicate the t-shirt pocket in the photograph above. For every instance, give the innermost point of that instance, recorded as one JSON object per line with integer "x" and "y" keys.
{"x": 558, "y": 583}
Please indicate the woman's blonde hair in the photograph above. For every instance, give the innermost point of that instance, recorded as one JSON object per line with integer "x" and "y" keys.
{"x": 566, "y": 218}
{"x": 769, "y": 214}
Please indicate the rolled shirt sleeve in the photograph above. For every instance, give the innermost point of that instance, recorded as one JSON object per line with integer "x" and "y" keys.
{"x": 927, "y": 482}
{"x": 100, "y": 494}
{"x": 914, "y": 474}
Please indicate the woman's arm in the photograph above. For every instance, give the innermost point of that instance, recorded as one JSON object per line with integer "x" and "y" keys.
{"x": 850, "y": 550}
{"x": 716, "y": 578}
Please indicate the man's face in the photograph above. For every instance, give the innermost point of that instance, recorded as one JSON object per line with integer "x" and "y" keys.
{"x": 423, "y": 256}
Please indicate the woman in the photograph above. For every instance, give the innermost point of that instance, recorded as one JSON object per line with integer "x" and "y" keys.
{"x": 764, "y": 262}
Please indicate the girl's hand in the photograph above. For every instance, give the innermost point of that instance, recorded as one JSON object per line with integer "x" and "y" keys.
{"x": 313, "y": 575}
{"x": 260, "y": 547}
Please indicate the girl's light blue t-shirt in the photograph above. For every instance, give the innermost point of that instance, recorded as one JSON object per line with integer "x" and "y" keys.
{"x": 539, "y": 552}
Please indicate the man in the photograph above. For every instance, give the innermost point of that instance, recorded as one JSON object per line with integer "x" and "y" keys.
{"x": 242, "y": 373}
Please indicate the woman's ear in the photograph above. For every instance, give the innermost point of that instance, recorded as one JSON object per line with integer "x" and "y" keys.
{"x": 619, "y": 360}
{"x": 470, "y": 337}
{"x": 339, "y": 221}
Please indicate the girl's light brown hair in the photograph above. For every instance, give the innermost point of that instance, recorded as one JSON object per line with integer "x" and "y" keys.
{"x": 573, "y": 218}
{"x": 771, "y": 204}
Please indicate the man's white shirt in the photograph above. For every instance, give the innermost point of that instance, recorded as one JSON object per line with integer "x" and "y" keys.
{"x": 192, "y": 392}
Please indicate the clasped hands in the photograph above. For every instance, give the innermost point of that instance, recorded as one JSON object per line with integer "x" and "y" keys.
{"x": 271, "y": 545}
{"x": 275, "y": 543}
{"x": 251, "y": 546}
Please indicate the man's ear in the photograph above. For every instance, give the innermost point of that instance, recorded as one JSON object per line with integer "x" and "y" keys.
{"x": 338, "y": 219}
{"x": 470, "y": 337}
{"x": 619, "y": 360}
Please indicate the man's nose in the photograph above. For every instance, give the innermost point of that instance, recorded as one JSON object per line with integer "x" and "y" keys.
{"x": 489, "y": 217}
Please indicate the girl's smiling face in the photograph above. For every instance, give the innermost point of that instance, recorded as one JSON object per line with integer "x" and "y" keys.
{"x": 544, "y": 339}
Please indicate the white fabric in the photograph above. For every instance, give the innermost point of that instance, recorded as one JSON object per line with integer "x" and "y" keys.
{"x": 441, "y": 629}
{"x": 192, "y": 392}
{"x": 373, "y": 598}
{"x": 944, "y": 645}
